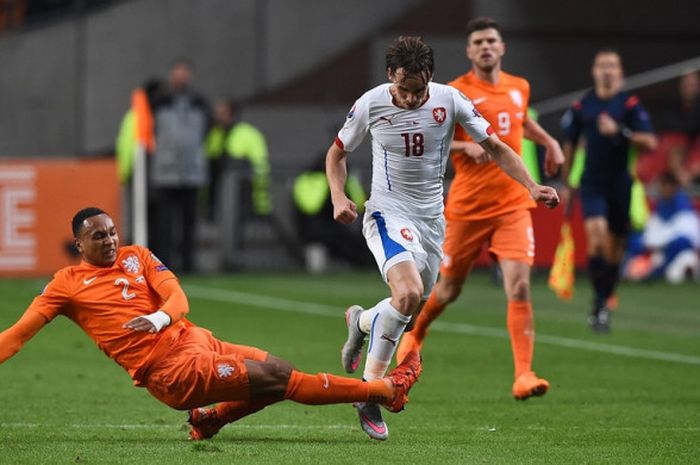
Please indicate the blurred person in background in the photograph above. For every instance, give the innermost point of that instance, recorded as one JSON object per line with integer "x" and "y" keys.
{"x": 682, "y": 118}
{"x": 314, "y": 217}
{"x": 486, "y": 206}
{"x": 178, "y": 168}
{"x": 611, "y": 122}
{"x": 235, "y": 144}
{"x": 670, "y": 242}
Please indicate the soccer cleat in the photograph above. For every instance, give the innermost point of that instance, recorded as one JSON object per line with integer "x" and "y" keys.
{"x": 352, "y": 349}
{"x": 408, "y": 344}
{"x": 528, "y": 385}
{"x": 371, "y": 420}
{"x": 204, "y": 423}
{"x": 600, "y": 321}
{"x": 403, "y": 377}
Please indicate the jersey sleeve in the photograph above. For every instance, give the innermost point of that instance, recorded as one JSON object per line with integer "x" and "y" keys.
{"x": 470, "y": 119}
{"x": 154, "y": 270}
{"x": 356, "y": 126}
{"x": 54, "y": 298}
{"x": 571, "y": 123}
{"x": 636, "y": 116}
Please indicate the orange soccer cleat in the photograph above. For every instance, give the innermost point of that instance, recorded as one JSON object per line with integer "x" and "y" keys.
{"x": 528, "y": 385}
{"x": 404, "y": 376}
{"x": 205, "y": 423}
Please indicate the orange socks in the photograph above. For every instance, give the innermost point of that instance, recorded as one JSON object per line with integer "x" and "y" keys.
{"x": 431, "y": 310}
{"x": 522, "y": 334}
{"x": 323, "y": 388}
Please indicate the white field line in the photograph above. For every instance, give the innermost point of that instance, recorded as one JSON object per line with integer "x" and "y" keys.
{"x": 286, "y": 305}
{"x": 281, "y": 427}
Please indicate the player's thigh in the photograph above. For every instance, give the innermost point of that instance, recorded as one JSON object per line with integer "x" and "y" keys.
{"x": 193, "y": 374}
{"x": 513, "y": 237}
{"x": 246, "y": 352}
{"x": 463, "y": 243}
{"x": 392, "y": 239}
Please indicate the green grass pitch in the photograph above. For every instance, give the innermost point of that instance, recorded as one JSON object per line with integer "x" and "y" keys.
{"x": 632, "y": 397}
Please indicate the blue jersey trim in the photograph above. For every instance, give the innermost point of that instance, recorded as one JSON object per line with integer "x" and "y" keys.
{"x": 391, "y": 247}
{"x": 371, "y": 332}
{"x": 386, "y": 168}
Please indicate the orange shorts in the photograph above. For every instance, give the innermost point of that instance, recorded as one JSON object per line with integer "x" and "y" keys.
{"x": 509, "y": 236}
{"x": 199, "y": 370}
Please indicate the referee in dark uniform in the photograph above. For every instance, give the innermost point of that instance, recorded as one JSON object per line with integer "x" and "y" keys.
{"x": 611, "y": 123}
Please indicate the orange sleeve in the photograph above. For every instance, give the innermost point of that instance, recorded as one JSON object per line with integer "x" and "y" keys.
{"x": 174, "y": 300}
{"x": 14, "y": 338}
{"x": 154, "y": 270}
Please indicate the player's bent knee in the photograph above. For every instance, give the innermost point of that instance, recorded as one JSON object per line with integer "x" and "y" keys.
{"x": 520, "y": 290}
{"x": 409, "y": 299}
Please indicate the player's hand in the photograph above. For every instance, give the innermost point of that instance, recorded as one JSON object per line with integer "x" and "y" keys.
{"x": 545, "y": 194}
{"x": 344, "y": 211}
{"x": 474, "y": 151}
{"x": 140, "y": 324}
{"x": 607, "y": 126}
{"x": 553, "y": 158}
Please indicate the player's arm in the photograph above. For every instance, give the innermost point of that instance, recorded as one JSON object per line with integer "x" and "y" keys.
{"x": 14, "y": 338}
{"x": 344, "y": 209}
{"x": 642, "y": 140}
{"x": 471, "y": 149}
{"x": 511, "y": 163}
{"x": 553, "y": 157}
{"x": 175, "y": 306}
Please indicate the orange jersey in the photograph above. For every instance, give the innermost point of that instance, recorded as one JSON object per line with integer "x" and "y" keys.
{"x": 102, "y": 299}
{"x": 484, "y": 191}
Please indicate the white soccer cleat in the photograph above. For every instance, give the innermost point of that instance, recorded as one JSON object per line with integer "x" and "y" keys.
{"x": 352, "y": 349}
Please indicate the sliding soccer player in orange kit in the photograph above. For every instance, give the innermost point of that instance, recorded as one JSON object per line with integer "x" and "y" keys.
{"x": 134, "y": 309}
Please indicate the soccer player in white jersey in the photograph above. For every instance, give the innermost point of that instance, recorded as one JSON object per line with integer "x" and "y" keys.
{"x": 411, "y": 121}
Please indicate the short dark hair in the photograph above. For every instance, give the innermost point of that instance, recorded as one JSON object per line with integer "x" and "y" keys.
{"x": 83, "y": 215}
{"x": 411, "y": 54}
{"x": 607, "y": 49}
{"x": 481, "y": 23}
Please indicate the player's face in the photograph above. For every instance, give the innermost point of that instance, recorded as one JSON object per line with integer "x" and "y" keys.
{"x": 485, "y": 49}
{"x": 98, "y": 240}
{"x": 180, "y": 77}
{"x": 410, "y": 91}
{"x": 607, "y": 70}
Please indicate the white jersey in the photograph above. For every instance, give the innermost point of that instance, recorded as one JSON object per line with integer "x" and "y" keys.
{"x": 410, "y": 148}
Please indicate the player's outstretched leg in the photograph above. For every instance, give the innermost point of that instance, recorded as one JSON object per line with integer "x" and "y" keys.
{"x": 322, "y": 388}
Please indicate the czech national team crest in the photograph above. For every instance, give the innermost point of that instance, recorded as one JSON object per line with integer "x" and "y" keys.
{"x": 405, "y": 232}
{"x": 440, "y": 114}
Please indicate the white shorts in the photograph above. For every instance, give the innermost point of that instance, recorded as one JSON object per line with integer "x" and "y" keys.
{"x": 393, "y": 238}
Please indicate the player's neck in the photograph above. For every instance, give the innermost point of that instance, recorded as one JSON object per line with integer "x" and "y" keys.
{"x": 491, "y": 76}
{"x": 606, "y": 93}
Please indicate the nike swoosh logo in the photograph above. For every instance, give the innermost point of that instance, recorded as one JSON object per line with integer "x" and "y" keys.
{"x": 479, "y": 100}
{"x": 88, "y": 281}
{"x": 326, "y": 382}
{"x": 379, "y": 429}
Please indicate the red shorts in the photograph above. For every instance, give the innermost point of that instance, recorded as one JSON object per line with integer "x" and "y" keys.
{"x": 509, "y": 236}
{"x": 199, "y": 370}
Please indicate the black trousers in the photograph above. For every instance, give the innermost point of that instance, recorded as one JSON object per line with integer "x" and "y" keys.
{"x": 172, "y": 222}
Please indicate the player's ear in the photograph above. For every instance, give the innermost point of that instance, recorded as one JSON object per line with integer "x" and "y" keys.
{"x": 78, "y": 245}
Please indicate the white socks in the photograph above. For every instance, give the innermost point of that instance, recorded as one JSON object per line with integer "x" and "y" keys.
{"x": 385, "y": 325}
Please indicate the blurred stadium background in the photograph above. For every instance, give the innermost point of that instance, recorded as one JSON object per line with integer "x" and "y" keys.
{"x": 69, "y": 67}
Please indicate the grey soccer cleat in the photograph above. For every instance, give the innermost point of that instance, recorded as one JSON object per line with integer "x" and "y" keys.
{"x": 352, "y": 349}
{"x": 600, "y": 321}
{"x": 371, "y": 420}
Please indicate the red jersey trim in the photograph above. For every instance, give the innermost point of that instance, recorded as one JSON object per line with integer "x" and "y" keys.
{"x": 631, "y": 102}
{"x": 339, "y": 143}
